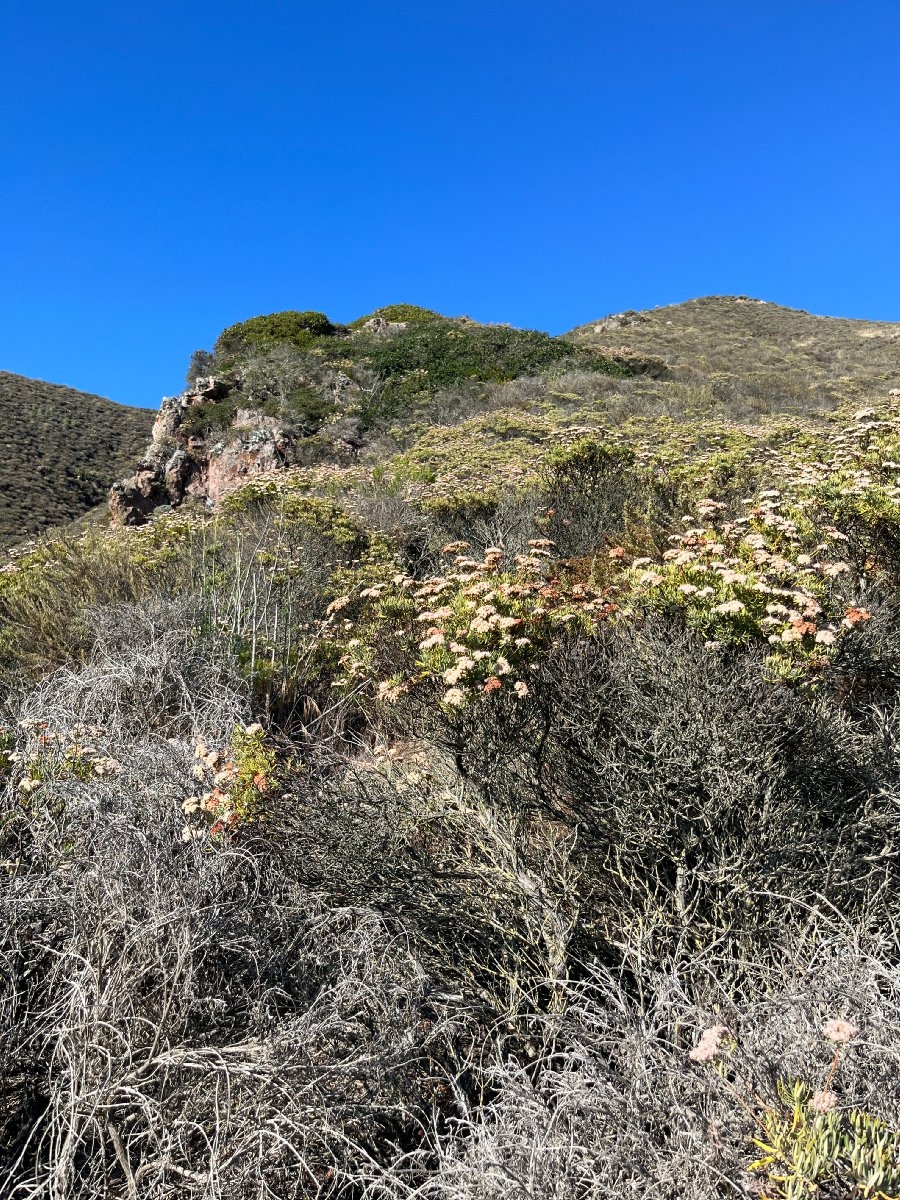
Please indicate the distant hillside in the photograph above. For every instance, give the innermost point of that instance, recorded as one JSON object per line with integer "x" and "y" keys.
{"x": 61, "y": 449}
{"x": 760, "y": 350}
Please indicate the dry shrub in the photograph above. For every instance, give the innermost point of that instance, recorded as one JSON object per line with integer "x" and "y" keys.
{"x": 487, "y": 899}
{"x": 611, "y": 1102}
{"x": 463, "y": 955}
{"x": 705, "y": 800}
{"x": 153, "y": 666}
{"x": 182, "y": 1016}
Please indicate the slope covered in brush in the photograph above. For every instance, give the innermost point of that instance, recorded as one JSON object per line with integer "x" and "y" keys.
{"x": 503, "y": 802}
{"x": 757, "y": 353}
{"x": 293, "y": 388}
{"x": 61, "y": 451}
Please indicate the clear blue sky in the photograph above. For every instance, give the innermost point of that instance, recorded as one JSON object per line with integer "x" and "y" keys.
{"x": 168, "y": 167}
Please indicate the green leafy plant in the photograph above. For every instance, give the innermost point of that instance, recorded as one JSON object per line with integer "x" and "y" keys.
{"x": 241, "y": 778}
{"x": 811, "y": 1150}
{"x": 202, "y": 419}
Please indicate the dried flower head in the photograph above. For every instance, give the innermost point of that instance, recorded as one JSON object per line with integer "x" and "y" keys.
{"x": 434, "y": 639}
{"x": 729, "y": 608}
{"x": 823, "y": 1101}
{"x": 710, "y": 1044}
{"x": 839, "y": 1030}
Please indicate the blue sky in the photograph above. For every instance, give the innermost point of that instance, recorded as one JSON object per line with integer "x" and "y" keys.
{"x": 167, "y": 168}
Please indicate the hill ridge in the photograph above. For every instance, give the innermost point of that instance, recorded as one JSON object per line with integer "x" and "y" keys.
{"x": 295, "y": 390}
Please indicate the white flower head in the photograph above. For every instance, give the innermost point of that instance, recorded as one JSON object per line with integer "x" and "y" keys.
{"x": 729, "y": 608}
{"x": 710, "y": 1044}
{"x": 840, "y": 1030}
{"x": 823, "y": 1101}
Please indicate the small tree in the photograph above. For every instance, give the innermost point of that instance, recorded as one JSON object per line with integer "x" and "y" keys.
{"x": 202, "y": 363}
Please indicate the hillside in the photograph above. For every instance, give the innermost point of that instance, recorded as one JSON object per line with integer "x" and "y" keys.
{"x": 345, "y": 396}
{"x": 761, "y": 351}
{"x": 61, "y": 451}
{"x": 467, "y": 767}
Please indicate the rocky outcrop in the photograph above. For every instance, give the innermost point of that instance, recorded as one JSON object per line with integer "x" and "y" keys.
{"x": 181, "y": 465}
{"x": 132, "y": 500}
{"x": 620, "y": 321}
{"x": 232, "y": 463}
{"x": 380, "y": 327}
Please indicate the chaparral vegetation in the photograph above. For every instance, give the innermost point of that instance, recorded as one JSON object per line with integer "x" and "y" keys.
{"x": 467, "y": 768}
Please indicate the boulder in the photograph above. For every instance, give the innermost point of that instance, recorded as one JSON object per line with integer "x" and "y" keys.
{"x": 380, "y": 327}
{"x": 133, "y": 500}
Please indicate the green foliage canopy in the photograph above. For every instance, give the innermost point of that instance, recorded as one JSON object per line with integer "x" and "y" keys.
{"x": 299, "y": 329}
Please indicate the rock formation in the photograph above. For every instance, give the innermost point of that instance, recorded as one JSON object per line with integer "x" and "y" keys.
{"x": 183, "y": 465}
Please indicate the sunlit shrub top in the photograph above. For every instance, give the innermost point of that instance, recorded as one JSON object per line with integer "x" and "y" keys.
{"x": 408, "y": 313}
{"x": 299, "y": 329}
{"x": 476, "y": 629}
{"x": 446, "y": 352}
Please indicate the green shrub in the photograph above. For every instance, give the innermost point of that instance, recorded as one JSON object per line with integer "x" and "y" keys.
{"x": 302, "y": 409}
{"x": 239, "y": 781}
{"x": 201, "y": 419}
{"x": 447, "y": 352}
{"x": 625, "y": 361}
{"x": 816, "y": 1153}
{"x": 437, "y": 354}
{"x": 307, "y": 409}
{"x": 411, "y": 313}
{"x": 46, "y": 596}
{"x": 299, "y": 329}
{"x": 203, "y": 362}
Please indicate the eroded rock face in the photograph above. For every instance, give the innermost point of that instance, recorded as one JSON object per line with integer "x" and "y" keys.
{"x": 381, "y": 327}
{"x": 171, "y": 464}
{"x": 238, "y": 461}
{"x": 180, "y": 464}
{"x": 178, "y": 473}
{"x": 166, "y": 423}
{"x": 133, "y": 500}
